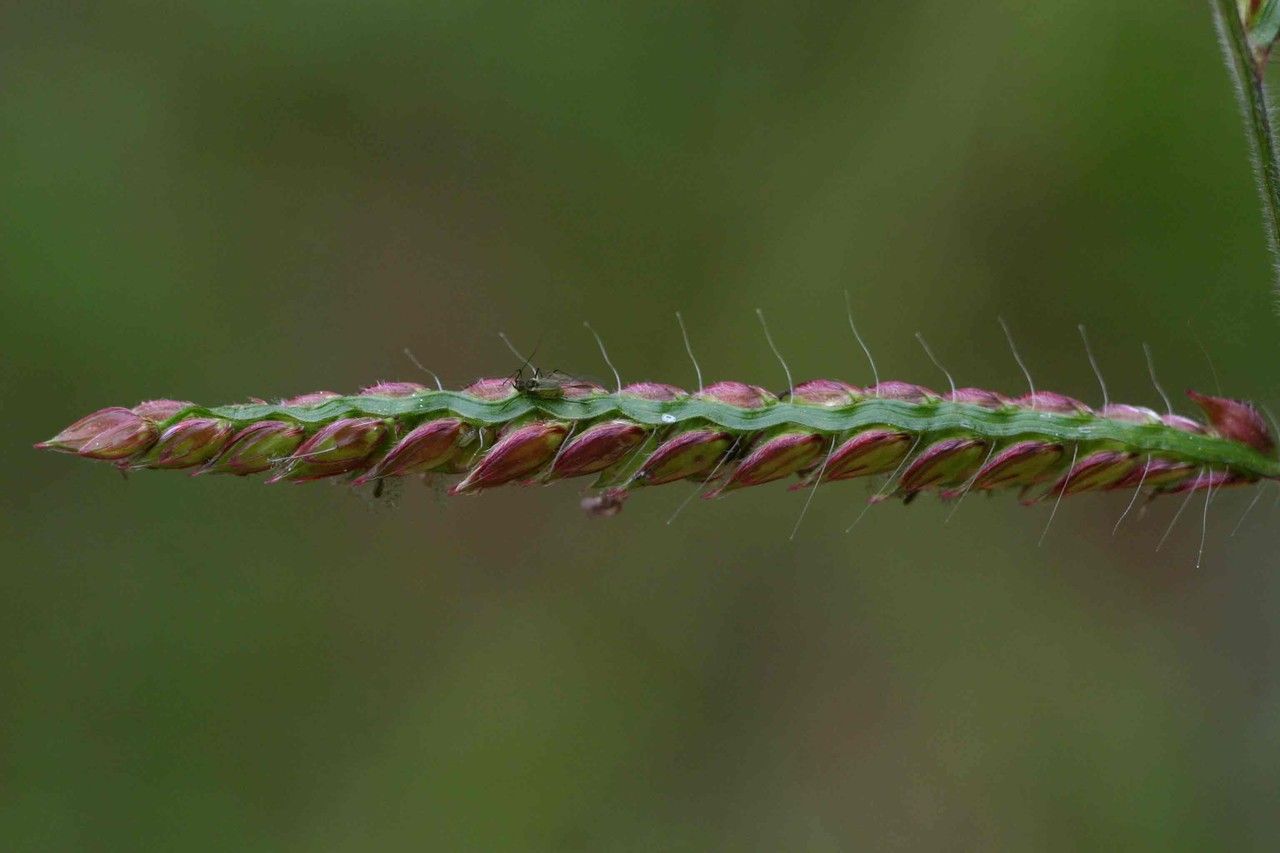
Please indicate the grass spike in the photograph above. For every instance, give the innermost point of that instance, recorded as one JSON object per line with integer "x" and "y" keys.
{"x": 511, "y": 430}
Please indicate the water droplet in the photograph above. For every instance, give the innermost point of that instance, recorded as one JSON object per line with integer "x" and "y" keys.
{"x": 668, "y": 419}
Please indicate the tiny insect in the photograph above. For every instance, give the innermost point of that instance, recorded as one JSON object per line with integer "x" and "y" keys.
{"x": 545, "y": 386}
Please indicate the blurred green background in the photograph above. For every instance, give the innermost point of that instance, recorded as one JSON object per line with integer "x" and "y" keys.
{"x": 216, "y": 200}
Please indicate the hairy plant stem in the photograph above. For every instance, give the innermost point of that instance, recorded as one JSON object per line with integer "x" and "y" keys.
{"x": 1245, "y": 47}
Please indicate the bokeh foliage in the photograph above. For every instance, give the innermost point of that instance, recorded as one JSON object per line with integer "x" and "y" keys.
{"x": 217, "y": 200}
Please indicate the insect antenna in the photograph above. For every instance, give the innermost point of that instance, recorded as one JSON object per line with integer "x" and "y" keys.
{"x": 420, "y": 366}
{"x": 848, "y": 310}
{"x": 791, "y": 386}
{"x": 617, "y": 377}
{"x": 1151, "y": 369}
{"x": 1062, "y": 491}
{"x": 936, "y": 363}
{"x": 816, "y": 482}
{"x": 517, "y": 380}
{"x": 684, "y": 333}
{"x": 1093, "y": 362}
{"x": 1145, "y": 468}
{"x": 1013, "y": 348}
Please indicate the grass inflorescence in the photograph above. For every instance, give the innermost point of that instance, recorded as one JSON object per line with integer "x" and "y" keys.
{"x": 728, "y": 436}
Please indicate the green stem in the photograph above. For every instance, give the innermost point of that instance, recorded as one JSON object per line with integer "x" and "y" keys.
{"x": 933, "y": 416}
{"x": 1247, "y": 63}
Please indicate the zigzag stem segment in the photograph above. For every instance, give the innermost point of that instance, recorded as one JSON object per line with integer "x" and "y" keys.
{"x": 730, "y": 435}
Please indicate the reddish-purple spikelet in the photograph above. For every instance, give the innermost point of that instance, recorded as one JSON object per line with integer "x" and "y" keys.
{"x": 160, "y": 411}
{"x": 74, "y": 437}
{"x": 874, "y": 451}
{"x": 774, "y": 458}
{"x": 1050, "y": 401}
{"x": 1158, "y": 472}
{"x": 1236, "y": 420}
{"x": 978, "y": 397}
{"x": 337, "y": 448}
{"x": 522, "y": 451}
{"x": 1096, "y": 471}
{"x": 392, "y": 389}
{"x": 906, "y": 391}
{"x": 687, "y": 454}
{"x": 1181, "y": 422}
{"x": 256, "y": 448}
{"x": 187, "y": 444}
{"x": 596, "y": 448}
{"x": 1022, "y": 463}
{"x": 1206, "y": 480}
{"x": 120, "y": 434}
{"x": 656, "y": 391}
{"x": 313, "y": 398}
{"x": 491, "y": 389}
{"x": 739, "y": 394}
{"x": 1129, "y": 414}
{"x": 943, "y": 463}
{"x": 824, "y": 392}
{"x": 428, "y": 445}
